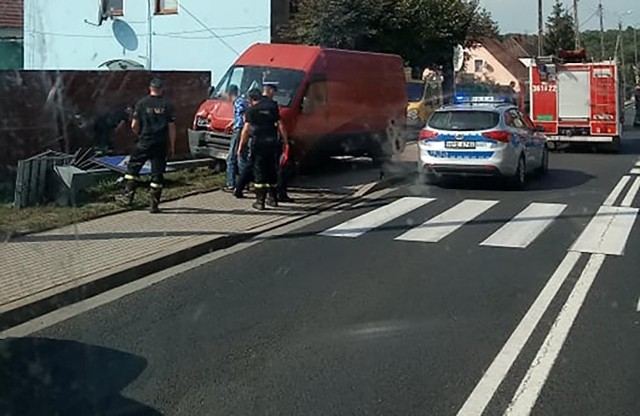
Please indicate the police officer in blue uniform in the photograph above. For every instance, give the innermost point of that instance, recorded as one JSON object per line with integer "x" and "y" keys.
{"x": 245, "y": 162}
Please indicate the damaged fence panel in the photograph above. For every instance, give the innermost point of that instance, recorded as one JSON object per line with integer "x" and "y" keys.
{"x": 35, "y": 176}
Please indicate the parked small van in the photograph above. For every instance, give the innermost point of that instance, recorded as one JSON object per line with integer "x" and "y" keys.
{"x": 332, "y": 102}
{"x": 424, "y": 97}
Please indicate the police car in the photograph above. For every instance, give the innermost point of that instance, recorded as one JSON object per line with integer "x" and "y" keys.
{"x": 482, "y": 136}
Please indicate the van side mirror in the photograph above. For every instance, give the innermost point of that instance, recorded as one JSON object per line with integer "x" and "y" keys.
{"x": 212, "y": 89}
{"x": 306, "y": 107}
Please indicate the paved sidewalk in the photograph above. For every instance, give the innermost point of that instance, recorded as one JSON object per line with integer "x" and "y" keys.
{"x": 42, "y": 265}
{"x": 45, "y": 270}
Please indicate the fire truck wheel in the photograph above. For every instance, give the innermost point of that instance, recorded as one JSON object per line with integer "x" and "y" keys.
{"x": 613, "y": 147}
{"x": 552, "y": 146}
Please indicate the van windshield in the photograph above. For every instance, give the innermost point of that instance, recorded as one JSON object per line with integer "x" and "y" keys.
{"x": 249, "y": 77}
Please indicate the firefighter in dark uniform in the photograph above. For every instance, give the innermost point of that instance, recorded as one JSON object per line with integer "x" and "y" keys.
{"x": 268, "y": 136}
{"x": 154, "y": 123}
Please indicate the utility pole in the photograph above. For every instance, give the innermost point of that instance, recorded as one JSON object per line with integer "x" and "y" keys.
{"x": 621, "y": 44}
{"x": 540, "y": 29}
{"x": 576, "y": 23}
{"x": 150, "y": 13}
{"x": 601, "y": 12}
{"x": 635, "y": 44}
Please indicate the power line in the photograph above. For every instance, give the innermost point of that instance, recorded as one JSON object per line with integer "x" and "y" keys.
{"x": 588, "y": 19}
{"x": 218, "y": 29}
{"x": 209, "y": 37}
{"x": 201, "y": 23}
{"x": 166, "y": 34}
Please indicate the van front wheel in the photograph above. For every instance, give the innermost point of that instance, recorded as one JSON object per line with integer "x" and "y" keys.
{"x": 381, "y": 148}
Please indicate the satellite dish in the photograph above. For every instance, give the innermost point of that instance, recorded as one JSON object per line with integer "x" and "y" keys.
{"x": 122, "y": 65}
{"x": 458, "y": 58}
{"x": 125, "y": 35}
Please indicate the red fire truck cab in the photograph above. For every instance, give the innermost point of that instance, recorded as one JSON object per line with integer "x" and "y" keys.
{"x": 577, "y": 102}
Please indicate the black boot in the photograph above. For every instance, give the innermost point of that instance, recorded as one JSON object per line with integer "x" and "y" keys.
{"x": 126, "y": 198}
{"x": 154, "y": 196}
{"x": 272, "y": 199}
{"x": 283, "y": 197}
{"x": 261, "y": 195}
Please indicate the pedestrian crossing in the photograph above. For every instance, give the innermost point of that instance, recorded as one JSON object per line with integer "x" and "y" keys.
{"x": 525, "y": 227}
{"x": 449, "y": 221}
{"x": 374, "y": 219}
{"x": 607, "y": 232}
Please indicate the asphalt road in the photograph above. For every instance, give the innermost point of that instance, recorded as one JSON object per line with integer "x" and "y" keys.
{"x": 400, "y": 319}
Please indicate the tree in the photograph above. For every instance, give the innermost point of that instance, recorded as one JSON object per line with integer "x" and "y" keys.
{"x": 560, "y": 32}
{"x": 423, "y": 32}
{"x": 591, "y": 42}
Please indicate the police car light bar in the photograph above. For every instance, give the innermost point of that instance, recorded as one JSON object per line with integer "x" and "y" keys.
{"x": 461, "y": 99}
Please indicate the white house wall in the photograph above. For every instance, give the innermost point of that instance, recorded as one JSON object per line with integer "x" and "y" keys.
{"x": 57, "y": 37}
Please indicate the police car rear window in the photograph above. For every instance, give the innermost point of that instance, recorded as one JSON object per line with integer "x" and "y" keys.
{"x": 464, "y": 120}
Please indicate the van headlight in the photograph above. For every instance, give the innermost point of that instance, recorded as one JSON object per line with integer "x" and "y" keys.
{"x": 202, "y": 122}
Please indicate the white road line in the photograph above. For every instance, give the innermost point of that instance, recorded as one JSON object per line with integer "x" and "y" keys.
{"x": 525, "y": 227}
{"x": 635, "y": 171}
{"x": 367, "y": 222}
{"x": 638, "y": 306}
{"x": 497, "y": 371}
{"x": 608, "y": 231}
{"x": 613, "y": 196}
{"x": 446, "y": 223}
{"x": 631, "y": 195}
{"x": 533, "y": 382}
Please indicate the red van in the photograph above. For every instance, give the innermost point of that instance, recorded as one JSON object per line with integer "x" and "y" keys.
{"x": 332, "y": 102}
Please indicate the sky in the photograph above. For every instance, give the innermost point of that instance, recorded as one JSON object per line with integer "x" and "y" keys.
{"x": 518, "y": 16}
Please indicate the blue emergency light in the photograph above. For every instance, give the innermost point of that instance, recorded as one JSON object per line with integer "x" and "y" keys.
{"x": 489, "y": 99}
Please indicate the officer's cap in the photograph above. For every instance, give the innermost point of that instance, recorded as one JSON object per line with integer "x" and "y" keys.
{"x": 157, "y": 83}
{"x": 271, "y": 84}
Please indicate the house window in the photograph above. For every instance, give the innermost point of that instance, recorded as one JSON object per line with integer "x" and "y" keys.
{"x": 166, "y": 6}
{"x": 113, "y": 7}
{"x": 478, "y": 65}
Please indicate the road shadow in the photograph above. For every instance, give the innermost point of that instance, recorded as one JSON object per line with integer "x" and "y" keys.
{"x": 628, "y": 146}
{"x": 554, "y": 180}
{"x": 41, "y": 376}
{"x": 340, "y": 174}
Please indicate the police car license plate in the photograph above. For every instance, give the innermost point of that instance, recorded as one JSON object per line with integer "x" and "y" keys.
{"x": 460, "y": 145}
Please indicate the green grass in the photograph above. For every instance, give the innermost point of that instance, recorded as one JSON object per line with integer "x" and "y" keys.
{"x": 101, "y": 202}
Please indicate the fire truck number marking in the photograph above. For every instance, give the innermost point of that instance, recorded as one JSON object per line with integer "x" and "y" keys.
{"x": 545, "y": 88}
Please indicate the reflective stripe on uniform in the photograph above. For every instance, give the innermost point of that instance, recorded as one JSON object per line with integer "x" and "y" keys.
{"x": 260, "y": 185}
{"x": 155, "y": 185}
{"x": 129, "y": 177}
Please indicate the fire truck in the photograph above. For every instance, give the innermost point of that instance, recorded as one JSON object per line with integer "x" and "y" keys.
{"x": 576, "y": 101}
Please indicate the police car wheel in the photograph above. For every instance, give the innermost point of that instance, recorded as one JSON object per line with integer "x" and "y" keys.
{"x": 544, "y": 164}
{"x": 427, "y": 178}
{"x": 519, "y": 178}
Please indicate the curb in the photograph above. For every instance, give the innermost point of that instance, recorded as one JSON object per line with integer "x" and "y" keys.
{"x": 40, "y": 307}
